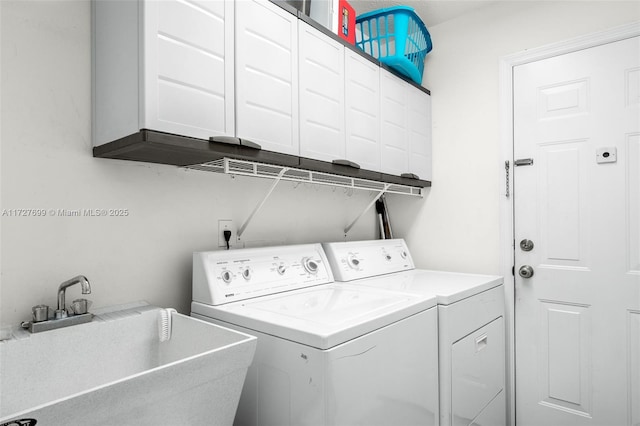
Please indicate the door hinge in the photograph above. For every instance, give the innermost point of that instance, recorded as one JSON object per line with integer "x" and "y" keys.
{"x": 513, "y": 270}
{"x": 523, "y": 162}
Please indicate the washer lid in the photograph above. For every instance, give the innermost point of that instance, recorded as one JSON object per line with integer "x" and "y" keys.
{"x": 448, "y": 287}
{"x": 322, "y": 316}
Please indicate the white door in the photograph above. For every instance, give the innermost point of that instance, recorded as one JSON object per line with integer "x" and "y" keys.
{"x": 405, "y": 127}
{"x": 578, "y": 317}
{"x": 394, "y": 158}
{"x": 266, "y": 50}
{"x": 188, "y": 69}
{"x": 321, "y": 68}
{"x": 362, "y": 110}
{"x": 419, "y": 125}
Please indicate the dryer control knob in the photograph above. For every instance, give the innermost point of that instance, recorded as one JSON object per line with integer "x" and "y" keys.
{"x": 353, "y": 262}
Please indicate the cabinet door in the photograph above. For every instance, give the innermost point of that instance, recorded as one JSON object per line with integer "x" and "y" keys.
{"x": 362, "y": 110}
{"x": 393, "y": 124}
{"x": 187, "y": 67}
{"x": 477, "y": 372}
{"x": 419, "y": 123}
{"x": 267, "y": 75}
{"x": 322, "y": 119}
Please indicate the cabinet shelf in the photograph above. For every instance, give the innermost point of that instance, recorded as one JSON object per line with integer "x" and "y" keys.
{"x": 164, "y": 148}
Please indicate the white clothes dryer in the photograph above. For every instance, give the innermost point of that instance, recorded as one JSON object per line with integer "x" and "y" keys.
{"x": 327, "y": 354}
{"x": 471, "y": 333}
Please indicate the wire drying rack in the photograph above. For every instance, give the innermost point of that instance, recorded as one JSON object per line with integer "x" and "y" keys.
{"x": 284, "y": 173}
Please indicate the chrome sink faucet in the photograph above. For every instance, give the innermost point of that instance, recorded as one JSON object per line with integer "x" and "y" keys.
{"x": 61, "y": 312}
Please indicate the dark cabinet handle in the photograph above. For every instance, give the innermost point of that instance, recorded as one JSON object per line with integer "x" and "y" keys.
{"x": 409, "y": 176}
{"x": 249, "y": 144}
{"x": 230, "y": 140}
{"x": 346, "y": 163}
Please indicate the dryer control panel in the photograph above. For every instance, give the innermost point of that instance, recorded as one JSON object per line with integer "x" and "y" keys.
{"x": 363, "y": 259}
{"x": 227, "y": 276}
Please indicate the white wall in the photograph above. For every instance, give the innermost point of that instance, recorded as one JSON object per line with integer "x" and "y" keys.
{"x": 457, "y": 228}
{"x": 47, "y": 164}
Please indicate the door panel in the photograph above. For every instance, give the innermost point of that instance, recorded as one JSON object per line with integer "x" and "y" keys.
{"x": 362, "y": 109}
{"x": 188, "y": 69}
{"x": 321, "y": 67}
{"x": 563, "y": 215}
{"x": 393, "y": 125}
{"x": 266, "y": 49}
{"x": 576, "y": 317}
{"x": 633, "y": 201}
{"x": 419, "y": 124}
{"x": 564, "y": 351}
{"x": 634, "y": 368}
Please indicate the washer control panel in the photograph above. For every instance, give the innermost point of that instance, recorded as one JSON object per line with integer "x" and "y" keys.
{"x": 227, "y": 276}
{"x": 362, "y": 259}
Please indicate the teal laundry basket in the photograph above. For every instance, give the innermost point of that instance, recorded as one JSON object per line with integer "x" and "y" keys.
{"x": 397, "y": 37}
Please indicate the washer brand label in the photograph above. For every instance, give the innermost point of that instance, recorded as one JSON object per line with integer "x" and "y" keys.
{"x": 20, "y": 422}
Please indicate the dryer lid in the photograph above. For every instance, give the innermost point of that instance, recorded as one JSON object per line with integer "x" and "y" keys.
{"x": 447, "y": 287}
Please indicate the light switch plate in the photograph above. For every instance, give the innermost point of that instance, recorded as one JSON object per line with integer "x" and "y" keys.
{"x": 607, "y": 155}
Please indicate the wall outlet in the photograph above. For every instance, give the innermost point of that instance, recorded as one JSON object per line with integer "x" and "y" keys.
{"x": 227, "y": 225}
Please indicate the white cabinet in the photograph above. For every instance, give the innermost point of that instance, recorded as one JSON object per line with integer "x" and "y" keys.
{"x": 393, "y": 124}
{"x": 405, "y": 127}
{"x": 251, "y": 69}
{"x": 419, "y": 133}
{"x": 362, "y": 111}
{"x": 339, "y": 101}
{"x": 322, "y": 97}
{"x": 266, "y": 43}
{"x": 352, "y": 109}
{"x": 150, "y": 71}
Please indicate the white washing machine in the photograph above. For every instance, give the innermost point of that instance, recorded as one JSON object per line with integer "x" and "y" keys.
{"x": 327, "y": 353}
{"x": 471, "y": 333}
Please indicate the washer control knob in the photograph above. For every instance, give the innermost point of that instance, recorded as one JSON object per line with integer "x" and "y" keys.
{"x": 246, "y": 274}
{"x": 282, "y": 269}
{"x": 226, "y": 276}
{"x": 403, "y": 254}
{"x": 310, "y": 265}
{"x": 387, "y": 257}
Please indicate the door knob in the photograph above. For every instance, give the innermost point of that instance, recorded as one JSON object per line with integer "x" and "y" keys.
{"x": 525, "y": 271}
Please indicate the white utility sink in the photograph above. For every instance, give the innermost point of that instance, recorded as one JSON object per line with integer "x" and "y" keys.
{"x": 115, "y": 371}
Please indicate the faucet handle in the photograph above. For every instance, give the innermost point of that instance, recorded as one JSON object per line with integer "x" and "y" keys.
{"x": 79, "y": 306}
{"x": 40, "y": 313}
